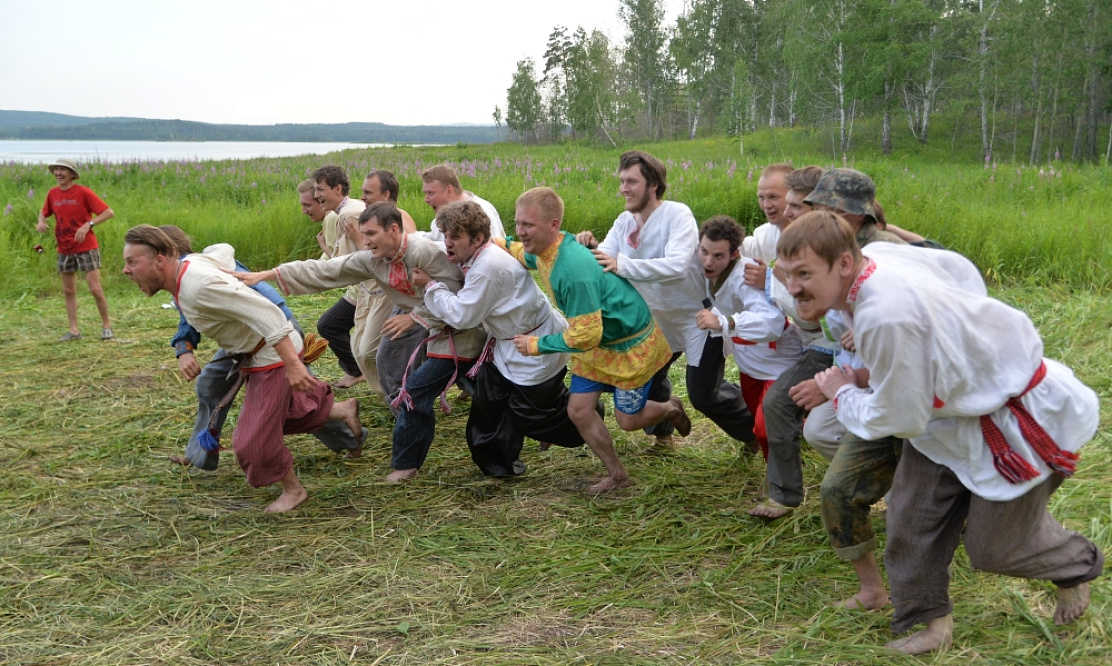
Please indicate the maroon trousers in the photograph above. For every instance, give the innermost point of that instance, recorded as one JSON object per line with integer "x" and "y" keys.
{"x": 271, "y": 410}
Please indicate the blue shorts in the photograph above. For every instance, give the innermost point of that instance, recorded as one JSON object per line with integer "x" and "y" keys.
{"x": 626, "y": 401}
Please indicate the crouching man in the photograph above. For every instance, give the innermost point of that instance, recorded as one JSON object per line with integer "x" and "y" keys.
{"x": 993, "y": 428}
{"x": 282, "y": 398}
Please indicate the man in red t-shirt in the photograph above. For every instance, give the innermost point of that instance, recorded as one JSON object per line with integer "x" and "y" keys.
{"x": 76, "y": 210}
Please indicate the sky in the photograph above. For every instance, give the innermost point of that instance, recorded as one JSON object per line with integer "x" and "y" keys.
{"x": 261, "y": 62}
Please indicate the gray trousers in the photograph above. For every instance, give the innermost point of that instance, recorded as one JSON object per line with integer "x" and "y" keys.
{"x": 213, "y": 384}
{"x": 928, "y": 508}
{"x": 784, "y": 425}
{"x": 393, "y": 357}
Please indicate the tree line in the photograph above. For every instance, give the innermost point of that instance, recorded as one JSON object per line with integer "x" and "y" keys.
{"x": 1034, "y": 76}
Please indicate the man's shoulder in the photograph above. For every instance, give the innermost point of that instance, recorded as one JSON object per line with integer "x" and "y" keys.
{"x": 675, "y": 209}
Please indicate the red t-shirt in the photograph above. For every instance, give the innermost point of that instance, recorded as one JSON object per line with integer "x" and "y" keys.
{"x": 72, "y": 208}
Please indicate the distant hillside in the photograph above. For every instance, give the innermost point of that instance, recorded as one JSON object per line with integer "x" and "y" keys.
{"x": 41, "y": 125}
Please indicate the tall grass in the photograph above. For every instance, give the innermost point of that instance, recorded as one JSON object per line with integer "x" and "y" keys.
{"x": 1049, "y": 224}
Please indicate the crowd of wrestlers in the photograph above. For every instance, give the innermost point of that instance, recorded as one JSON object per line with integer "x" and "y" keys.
{"x": 878, "y": 347}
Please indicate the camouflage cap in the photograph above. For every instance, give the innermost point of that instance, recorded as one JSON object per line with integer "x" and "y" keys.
{"x": 846, "y": 190}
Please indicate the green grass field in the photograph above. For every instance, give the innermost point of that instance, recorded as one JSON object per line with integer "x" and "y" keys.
{"x": 111, "y": 555}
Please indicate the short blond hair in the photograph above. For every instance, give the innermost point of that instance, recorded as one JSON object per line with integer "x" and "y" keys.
{"x": 545, "y": 200}
{"x": 443, "y": 174}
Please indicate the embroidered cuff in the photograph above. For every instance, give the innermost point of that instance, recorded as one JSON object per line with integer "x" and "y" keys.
{"x": 183, "y": 347}
{"x": 534, "y": 346}
{"x": 841, "y": 392}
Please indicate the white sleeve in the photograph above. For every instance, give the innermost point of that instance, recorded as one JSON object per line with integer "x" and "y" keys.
{"x": 898, "y": 356}
{"x": 683, "y": 240}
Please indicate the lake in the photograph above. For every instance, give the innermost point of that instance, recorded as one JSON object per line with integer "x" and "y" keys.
{"x": 41, "y": 152}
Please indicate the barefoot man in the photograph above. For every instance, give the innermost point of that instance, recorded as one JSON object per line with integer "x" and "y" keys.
{"x": 614, "y": 344}
{"x": 282, "y": 397}
{"x": 993, "y": 428}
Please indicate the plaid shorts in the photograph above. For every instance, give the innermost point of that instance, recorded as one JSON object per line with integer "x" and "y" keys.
{"x": 84, "y": 262}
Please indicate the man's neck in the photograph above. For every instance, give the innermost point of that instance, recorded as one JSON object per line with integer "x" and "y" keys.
{"x": 645, "y": 213}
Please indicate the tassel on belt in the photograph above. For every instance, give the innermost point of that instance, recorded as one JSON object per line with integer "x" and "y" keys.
{"x": 1010, "y": 464}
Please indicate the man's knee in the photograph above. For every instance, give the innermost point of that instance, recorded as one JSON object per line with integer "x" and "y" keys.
{"x": 582, "y": 411}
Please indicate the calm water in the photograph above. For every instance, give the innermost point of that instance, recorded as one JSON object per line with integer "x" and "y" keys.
{"x": 41, "y": 152}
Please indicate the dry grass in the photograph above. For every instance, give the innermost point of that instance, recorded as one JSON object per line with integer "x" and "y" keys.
{"x": 111, "y": 555}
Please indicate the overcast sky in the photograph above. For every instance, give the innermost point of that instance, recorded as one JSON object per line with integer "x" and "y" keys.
{"x": 404, "y": 62}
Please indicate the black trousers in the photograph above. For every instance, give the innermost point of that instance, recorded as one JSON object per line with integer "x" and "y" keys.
{"x": 503, "y": 414}
{"x": 335, "y": 326}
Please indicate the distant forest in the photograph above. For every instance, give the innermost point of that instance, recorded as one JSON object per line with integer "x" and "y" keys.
{"x": 1034, "y": 77}
{"x": 41, "y": 125}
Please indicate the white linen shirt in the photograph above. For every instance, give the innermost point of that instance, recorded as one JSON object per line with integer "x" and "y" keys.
{"x": 761, "y": 244}
{"x": 501, "y": 295}
{"x": 941, "y": 353}
{"x": 665, "y": 271}
{"x": 749, "y": 317}
{"x": 229, "y": 312}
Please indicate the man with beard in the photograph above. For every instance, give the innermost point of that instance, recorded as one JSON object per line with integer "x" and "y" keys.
{"x": 652, "y": 244}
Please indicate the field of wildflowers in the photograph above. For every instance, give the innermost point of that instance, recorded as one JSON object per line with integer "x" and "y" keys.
{"x": 1050, "y": 224}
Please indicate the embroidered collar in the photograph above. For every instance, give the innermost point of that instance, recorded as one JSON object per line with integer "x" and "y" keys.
{"x": 401, "y": 250}
{"x": 870, "y": 266}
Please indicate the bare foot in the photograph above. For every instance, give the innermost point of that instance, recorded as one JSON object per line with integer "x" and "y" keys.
{"x": 661, "y": 445}
{"x": 680, "y": 419}
{"x": 865, "y": 600}
{"x": 347, "y": 381}
{"x": 609, "y": 483}
{"x": 401, "y": 475}
{"x": 180, "y": 460}
{"x": 544, "y": 446}
{"x": 348, "y": 412}
{"x": 1072, "y": 603}
{"x": 352, "y": 454}
{"x": 938, "y": 635}
{"x": 289, "y": 500}
{"x": 770, "y": 509}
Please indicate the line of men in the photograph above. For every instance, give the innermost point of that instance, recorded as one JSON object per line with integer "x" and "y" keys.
{"x": 463, "y": 309}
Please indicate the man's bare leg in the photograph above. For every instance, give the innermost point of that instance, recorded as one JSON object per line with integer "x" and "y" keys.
{"x": 401, "y": 475}
{"x": 873, "y": 594}
{"x": 937, "y": 635}
{"x": 348, "y": 412}
{"x": 1072, "y": 603}
{"x": 770, "y": 509}
{"x": 653, "y": 413}
{"x": 581, "y": 411}
{"x": 93, "y": 278}
{"x": 69, "y": 290}
{"x": 347, "y": 381}
{"x": 293, "y": 494}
